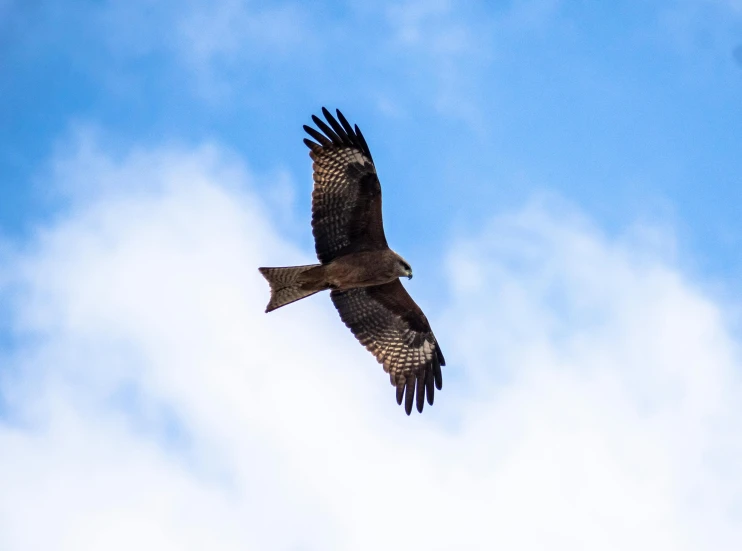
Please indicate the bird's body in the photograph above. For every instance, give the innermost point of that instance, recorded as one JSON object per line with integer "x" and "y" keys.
{"x": 357, "y": 265}
{"x": 349, "y": 271}
{"x": 365, "y": 269}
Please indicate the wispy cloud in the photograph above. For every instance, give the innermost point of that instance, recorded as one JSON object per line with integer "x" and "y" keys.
{"x": 441, "y": 45}
{"x": 235, "y": 29}
{"x": 208, "y": 39}
{"x": 591, "y": 398}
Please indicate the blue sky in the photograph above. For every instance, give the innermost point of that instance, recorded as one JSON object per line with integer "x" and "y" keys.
{"x": 563, "y": 176}
{"x": 630, "y": 110}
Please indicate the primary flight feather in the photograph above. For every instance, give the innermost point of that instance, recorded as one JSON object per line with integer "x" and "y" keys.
{"x": 358, "y": 267}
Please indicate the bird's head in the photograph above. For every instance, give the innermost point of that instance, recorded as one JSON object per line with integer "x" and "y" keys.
{"x": 403, "y": 267}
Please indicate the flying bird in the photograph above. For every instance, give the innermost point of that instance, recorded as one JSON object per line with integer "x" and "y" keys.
{"x": 358, "y": 267}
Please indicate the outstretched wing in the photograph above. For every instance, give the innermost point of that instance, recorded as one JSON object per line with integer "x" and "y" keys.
{"x": 386, "y": 320}
{"x": 346, "y": 201}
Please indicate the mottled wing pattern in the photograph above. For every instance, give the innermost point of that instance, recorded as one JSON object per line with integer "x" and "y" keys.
{"x": 346, "y": 201}
{"x": 386, "y": 320}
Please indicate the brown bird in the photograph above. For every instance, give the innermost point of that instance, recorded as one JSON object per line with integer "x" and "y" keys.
{"x": 357, "y": 265}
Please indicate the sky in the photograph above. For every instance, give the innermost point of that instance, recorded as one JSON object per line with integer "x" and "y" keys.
{"x": 564, "y": 179}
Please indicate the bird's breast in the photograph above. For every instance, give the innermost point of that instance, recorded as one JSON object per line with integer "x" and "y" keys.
{"x": 360, "y": 270}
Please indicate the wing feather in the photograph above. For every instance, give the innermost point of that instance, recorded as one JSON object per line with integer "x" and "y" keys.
{"x": 339, "y": 130}
{"x": 386, "y": 320}
{"x": 345, "y": 124}
{"x": 323, "y": 140}
{"x": 429, "y": 387}
{"x": 326, "y": 129}
{"x": 346, "y": 201}
{"x": 421, "y": 391}
{"x": 361, "y": 138}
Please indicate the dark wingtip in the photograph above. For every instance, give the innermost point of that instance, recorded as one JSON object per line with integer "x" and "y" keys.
{"x": 338, "y": 128}
{"x": 321, "y": 139}
{"x": 362, "y": 140}
{"x": 329, "y": 132}
{"x": 429, "y": 386}
{"x": 346, "y": 125}
{"x": 339, "y": 132}
{"x": 409, "y": 395}
{"x": 441, "y": 359}
{"x": 420, "y": 392}
{"x": 437, "y": 374}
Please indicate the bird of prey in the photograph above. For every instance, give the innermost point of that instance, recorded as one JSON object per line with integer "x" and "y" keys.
{"x": 358, "y": 267}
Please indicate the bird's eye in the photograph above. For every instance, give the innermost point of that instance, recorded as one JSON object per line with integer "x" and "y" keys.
{"x": 405, "y": 266}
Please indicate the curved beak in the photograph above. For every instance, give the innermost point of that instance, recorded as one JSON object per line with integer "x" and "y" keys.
{"x": 409, "y": 276}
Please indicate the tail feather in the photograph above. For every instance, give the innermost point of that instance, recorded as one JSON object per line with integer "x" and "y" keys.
{"x": 287, "y": 286}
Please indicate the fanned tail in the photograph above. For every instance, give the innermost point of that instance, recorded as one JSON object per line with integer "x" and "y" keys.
{"x": 289, "y": 284}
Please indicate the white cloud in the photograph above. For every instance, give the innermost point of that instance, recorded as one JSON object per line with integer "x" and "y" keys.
{"x": 450, "y": 49}
{"x": 592, "y": 397}
{"x": 210, "y": 40}
{"x": 443, "y": 51}
{"x": 200, "y": 31}
{"x": 235, "y": 28}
